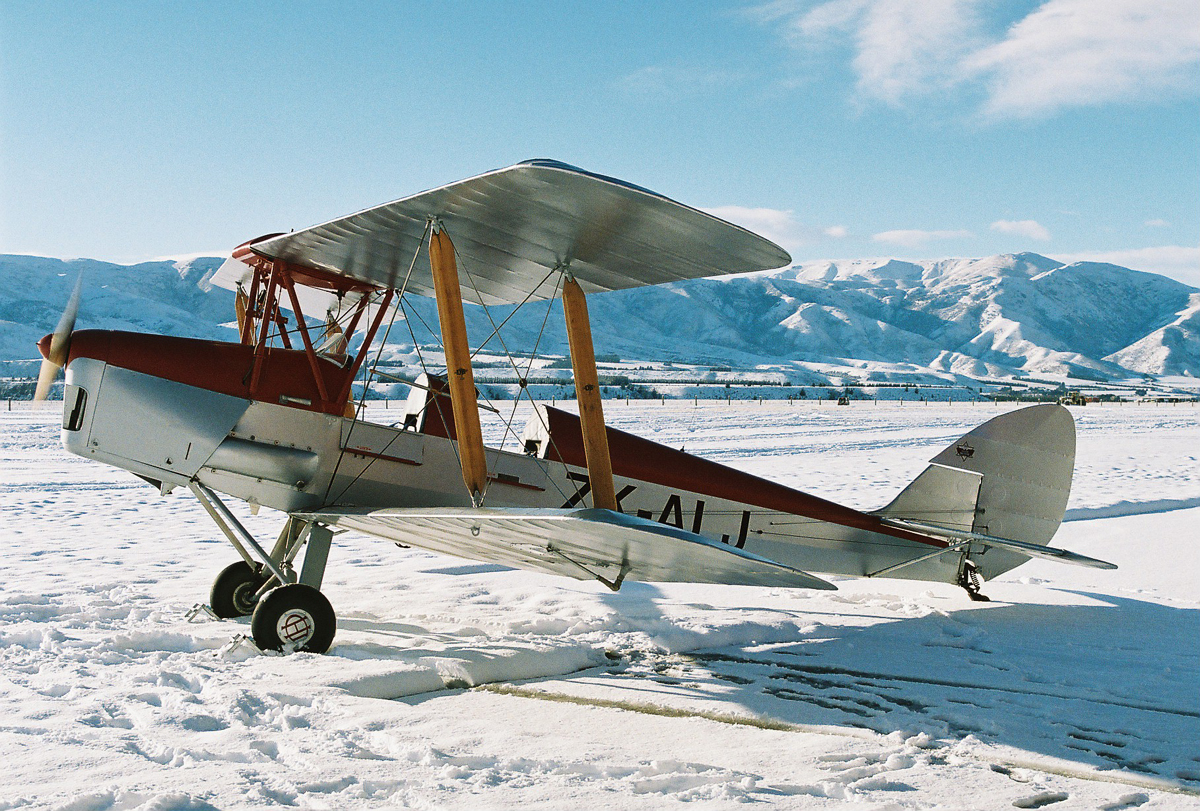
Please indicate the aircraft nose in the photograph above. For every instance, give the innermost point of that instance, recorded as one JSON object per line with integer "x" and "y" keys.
{"x": 44, "y": 345}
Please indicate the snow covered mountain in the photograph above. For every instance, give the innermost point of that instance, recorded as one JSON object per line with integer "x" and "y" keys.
{"x": 167, "y": 297}
{"x": 1170, "y": 349}
{"x": 998, "y": 316}
{"x": 1019, "y": 312}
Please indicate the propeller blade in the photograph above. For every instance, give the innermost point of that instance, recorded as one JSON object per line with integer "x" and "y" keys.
{"x": 62, "y": 333}
{"x": 60, "y": 344}
{"x": 45, "y": 380}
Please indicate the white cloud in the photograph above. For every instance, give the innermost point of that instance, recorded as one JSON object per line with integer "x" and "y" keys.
{"x": 1157, "y": 223}
{"x": 902, "y": 46}
{"x": 911, "y": 46}
{"x": 1026, "y": 228}
{"x": 1064, "y": 53}
{"x": 1180, "y": 262}
{"x": 916, "y": 238}
{"x": 1081, "y": 52}
{"x": 780, "y": 227}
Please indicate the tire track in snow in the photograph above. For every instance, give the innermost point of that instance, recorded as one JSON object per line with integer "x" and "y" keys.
{"x": 1144, "y": 746}
{"x": 1001, "y": 764}
{"x": 824, "y": 670}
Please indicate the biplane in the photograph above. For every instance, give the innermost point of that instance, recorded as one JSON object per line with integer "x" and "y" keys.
{"x": 272, "y": 419}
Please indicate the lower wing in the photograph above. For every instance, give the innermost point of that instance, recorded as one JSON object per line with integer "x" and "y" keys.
{"x": 581, "y": 543}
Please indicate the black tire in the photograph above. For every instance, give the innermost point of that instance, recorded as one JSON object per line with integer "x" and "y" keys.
{"x": 294, "y": 617}
{"x": 233, "y": 591}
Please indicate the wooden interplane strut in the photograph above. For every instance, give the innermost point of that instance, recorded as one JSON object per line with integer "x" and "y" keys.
{"x": 587, "y": 395}
{"x": 459, "y": 377}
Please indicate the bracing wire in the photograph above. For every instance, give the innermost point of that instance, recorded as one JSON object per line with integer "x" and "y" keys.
{"x": 437, "y": 399}
{"x": 496, "y": 329}
{"x": 523, "y": 374}
{"x": 529, "y": 369}
{"x": 367, "y": 381}
{"x": 516, "y": 368}
{"x": 388, "y": 331}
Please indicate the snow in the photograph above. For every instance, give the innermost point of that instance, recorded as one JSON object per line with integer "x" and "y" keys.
{"x": 951, "y": 319}
{"x": 458, "y": 685}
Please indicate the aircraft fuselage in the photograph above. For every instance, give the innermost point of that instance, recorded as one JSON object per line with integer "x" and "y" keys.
{"x": 175, "y": 410}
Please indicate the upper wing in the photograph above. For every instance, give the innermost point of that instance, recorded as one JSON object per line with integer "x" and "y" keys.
{"x": 603, "y": 544}
{"x": 512, "y": 227}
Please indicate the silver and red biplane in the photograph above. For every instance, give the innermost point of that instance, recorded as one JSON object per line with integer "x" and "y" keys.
{"x": 271, "y": 419}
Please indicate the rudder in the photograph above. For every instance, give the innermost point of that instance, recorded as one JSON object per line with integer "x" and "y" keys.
{"x": 1008, "y": 478}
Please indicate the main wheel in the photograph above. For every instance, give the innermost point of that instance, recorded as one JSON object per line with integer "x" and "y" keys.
{"x": 295, "y": 617}
{"x": 233, "y": 591}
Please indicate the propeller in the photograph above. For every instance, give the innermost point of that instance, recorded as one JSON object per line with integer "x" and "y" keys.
{"x": 54, "y": 351}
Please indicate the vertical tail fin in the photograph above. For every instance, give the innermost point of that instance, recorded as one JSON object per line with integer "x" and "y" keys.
{"x": 1008, "y": 478}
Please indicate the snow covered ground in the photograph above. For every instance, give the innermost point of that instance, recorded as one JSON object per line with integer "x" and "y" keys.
{"x": 458, "y": 685}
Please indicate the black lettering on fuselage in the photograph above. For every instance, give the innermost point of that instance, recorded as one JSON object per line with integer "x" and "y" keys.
{"x": 672, "y": 513}
{"x": 586, "y": 487}
{"x": 626, "y": 490}
{"x": 741, "y": 541}
{"x": 580, "y": 492}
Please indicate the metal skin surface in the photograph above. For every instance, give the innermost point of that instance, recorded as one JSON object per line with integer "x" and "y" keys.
{"x": 1025, "y": 461}
{"x": 580, "y": 543}
{"x": 941, "y": 495}
{"x": 155, "y": 428}
{"x": 292, "y": 460}
{"x": 514, "y": 226}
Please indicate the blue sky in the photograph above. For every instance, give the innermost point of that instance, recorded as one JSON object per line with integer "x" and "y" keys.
{"x": 840, "y": 128}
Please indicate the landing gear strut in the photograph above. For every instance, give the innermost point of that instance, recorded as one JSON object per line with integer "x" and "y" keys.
{"x": 968, "y": 578}
{"x": 287, "y": 612}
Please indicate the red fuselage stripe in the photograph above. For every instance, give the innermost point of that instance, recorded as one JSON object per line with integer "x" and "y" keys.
{"x": 641, "y": 459}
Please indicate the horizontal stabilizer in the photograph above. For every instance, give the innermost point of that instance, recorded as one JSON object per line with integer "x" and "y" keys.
{"x": 1033, "y": 550}
{"x": 1052, "y": 553}
{"x": 581, "y": 543}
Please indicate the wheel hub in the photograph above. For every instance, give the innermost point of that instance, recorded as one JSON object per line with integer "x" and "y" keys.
{"x": 244, "y": 597}
{"x": 296, "y": 626}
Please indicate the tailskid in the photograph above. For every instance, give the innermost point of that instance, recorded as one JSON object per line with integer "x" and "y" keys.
{"x": 968, "y": 578}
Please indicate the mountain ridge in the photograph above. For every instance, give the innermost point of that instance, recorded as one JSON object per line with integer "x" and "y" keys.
{"x": 998, "y": 316}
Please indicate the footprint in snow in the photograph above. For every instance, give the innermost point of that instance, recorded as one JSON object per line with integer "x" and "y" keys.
{"x": 1041, "y": 800}
{"x": 107, "y": 717}
{"x": 203, "y": 723}
{"x": 1126, "y": 801}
